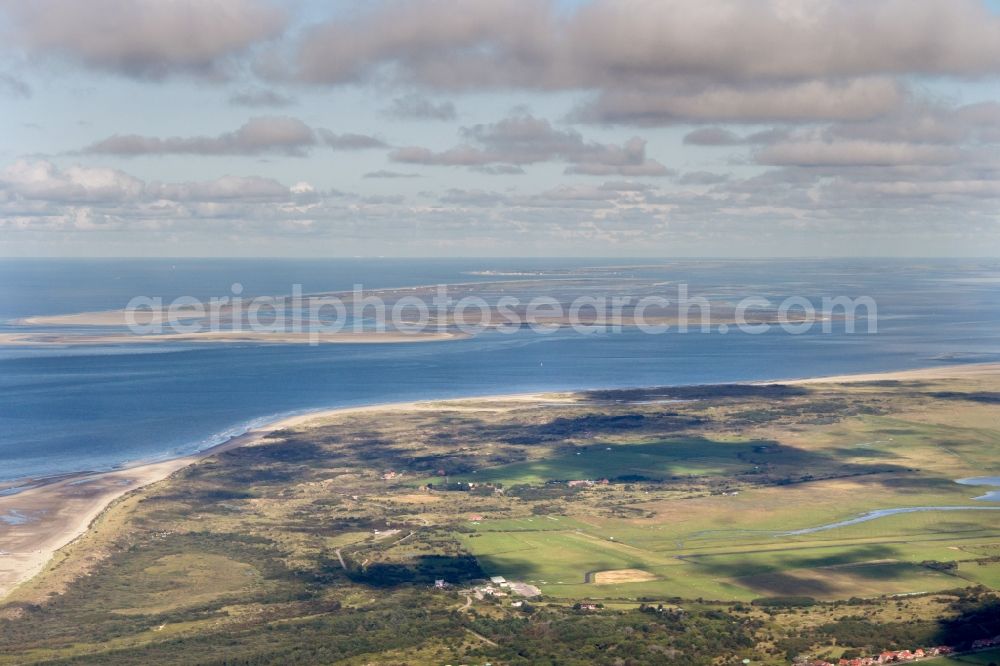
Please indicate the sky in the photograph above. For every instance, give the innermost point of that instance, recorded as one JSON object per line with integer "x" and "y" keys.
{"x": 632, "y": 128}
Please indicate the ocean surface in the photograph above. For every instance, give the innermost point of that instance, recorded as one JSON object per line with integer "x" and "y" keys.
{"x": 74, "y": 409}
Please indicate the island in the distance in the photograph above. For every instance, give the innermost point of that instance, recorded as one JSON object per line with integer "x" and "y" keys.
{"x": 817, "y": 519}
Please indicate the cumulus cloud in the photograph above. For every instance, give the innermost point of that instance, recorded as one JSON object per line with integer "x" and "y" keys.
{"x": 499, "y": 169}
{"x": 349, "y": 141}
{"x": 529, "y": 42}
{"x": 857, "y": 99}
{"x": 42, "y": 180}
{"x": 625, "y": 186}
{"x": 280, "y": 135}
{"x": 855, "y": 153}
{"x": 426, "y": 42}
{"x": 421, "y": 108}
{"x": 226, "y": 188}
{"x": 146, "y": 39}
{"x": 524, "y": 139}
{"x": 260, "y": 97}
{"x": 642, "y": 168}
{"x": 718, "y": 136}
{"x": 702, "y": 178}
{"x": 818, "y": 100}
{"x": 928, "y": 122}
{"x": 708, "y": 61}
{"x": 386, "y": 173}
{"x": 781, "y": 40}
{"x": 947, "y": 202}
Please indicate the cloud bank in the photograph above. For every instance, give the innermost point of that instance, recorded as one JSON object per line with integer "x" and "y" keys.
{"x": 278, "y": 135}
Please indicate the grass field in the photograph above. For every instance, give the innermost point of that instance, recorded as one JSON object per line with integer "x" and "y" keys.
{"x": 732, "y": 542}
{"x": 639, "y": 460}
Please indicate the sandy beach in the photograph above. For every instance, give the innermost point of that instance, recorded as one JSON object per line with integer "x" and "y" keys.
{"x": 51, "y": 513}
{"x": 939, "y": 372}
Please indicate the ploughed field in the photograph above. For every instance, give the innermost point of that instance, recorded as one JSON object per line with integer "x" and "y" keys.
{"x": 698, "y": 498}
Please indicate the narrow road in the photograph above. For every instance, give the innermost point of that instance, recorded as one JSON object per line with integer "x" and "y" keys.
{"x": 481, "y": 637}
{"x": 341, "y": 558}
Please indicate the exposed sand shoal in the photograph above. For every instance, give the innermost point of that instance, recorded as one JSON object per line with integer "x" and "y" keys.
{"x": 110, "y": 318}
{"x": 257, "y": 337}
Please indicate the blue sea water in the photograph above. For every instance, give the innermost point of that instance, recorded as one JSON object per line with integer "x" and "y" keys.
{"x": 64, "y": 410}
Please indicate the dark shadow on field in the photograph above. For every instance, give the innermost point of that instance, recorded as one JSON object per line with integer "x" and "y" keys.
{"x": 703, "y": 392}
{"x": 446, "y": 443}
{"x": 978, "y": 617}
{"x": 424, "y": 570}
{"x": 291, "y": 450}
{"x": 974, "y": 615}
{"x": 862, "y": 452}
{"x": 791, "y": 560}
{"x": 953, "y": 526}
{"x": 523, "y": 568}
{"x": 804, "y": 576}
{"x": 916, "y": 484}
{"x": 984, "y": 397}
{"x": 781, "y": 584}
{"x": 768, "y": 462}
{"x": 561, "y": 428}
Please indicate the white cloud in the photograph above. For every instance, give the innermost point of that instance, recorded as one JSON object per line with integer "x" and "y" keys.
{"x": 41, "y": 180}
{"x": 711, "y": 60}
{"x": 280, "y": 135}
{"x": 421, "y": 108}
{"x": 260, "y": 97}
{"x": 856, "y": 99}
{"x": 147, "y": 39}
{"x": 524, "y": 139}
{"x": 855, "y": 153}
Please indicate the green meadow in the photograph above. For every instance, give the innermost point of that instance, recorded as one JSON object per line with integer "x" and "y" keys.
{"x": 640, "y": 460}
{"x": 733, "y": 542}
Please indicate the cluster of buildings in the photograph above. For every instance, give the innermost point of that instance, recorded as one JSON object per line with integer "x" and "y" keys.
{"x": 498, "y": 587}
{"x": 893, "y": 657}
{"x": 501, "y": 587}
{"x": 587, "y": 482}
{"x": 986, "y": 642}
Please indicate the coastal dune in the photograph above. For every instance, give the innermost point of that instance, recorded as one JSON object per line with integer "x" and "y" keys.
{"x": 47, "y": 515}
{"x": 39, "y": 517}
